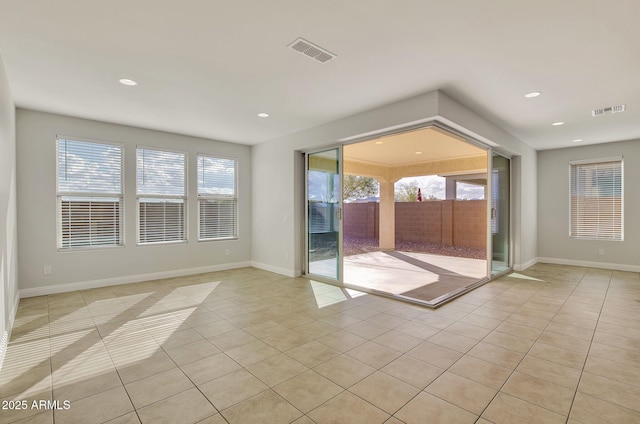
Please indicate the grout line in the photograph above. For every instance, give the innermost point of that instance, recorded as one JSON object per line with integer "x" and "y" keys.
{"x": 590, "y": 344}
{"x": 504, "y": 290}
{"x": 525, "y": 355}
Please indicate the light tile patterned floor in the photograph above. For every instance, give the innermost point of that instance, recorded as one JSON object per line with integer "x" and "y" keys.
{"x": 551, "y": 344}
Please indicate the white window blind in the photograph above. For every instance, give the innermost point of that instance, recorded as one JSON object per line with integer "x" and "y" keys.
{"x": 597, "y": 199}
{"x": 89, "y": 194}
{"x": 217, "y": 198}
{"x": 161, "y": 192}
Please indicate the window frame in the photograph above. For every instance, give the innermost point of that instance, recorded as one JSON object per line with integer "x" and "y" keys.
{"x": 573, "y": 189}
{"x": 208, "y": 197}
{"x": 184, "y": 198}
{"x": 61, "y": 194}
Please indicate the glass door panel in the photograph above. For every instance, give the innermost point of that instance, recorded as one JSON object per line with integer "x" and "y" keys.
{"x": 324, "y": 187}
{"x": 500, "y": 173}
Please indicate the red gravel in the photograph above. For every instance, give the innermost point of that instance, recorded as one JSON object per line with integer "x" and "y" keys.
{"x": 354, "y": 245}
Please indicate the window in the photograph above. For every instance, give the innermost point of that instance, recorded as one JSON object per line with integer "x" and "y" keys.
{"x": 217, "y": 198}
{"x": 161, "y": 193}
{"x": 89, "y": 194}
{"x": 597, "y": 199}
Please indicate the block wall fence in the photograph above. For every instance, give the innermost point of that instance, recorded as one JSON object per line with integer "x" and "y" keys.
{"x": 449, "y": 222}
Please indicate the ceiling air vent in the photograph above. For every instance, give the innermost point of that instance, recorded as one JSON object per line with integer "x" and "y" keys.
{"x": 311, "y": 50}
{"x": 612, "y": 109}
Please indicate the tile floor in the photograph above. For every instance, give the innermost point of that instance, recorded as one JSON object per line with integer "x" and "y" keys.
{"x": 551, "y": 344}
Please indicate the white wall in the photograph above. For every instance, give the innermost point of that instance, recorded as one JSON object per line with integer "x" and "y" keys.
{"x": 277, "y": 230}
{"x": 36, "y": 168}
{"x": 524, "y": 171}
{"x": 8, "y": 227}
{"x": 554, "y": 244}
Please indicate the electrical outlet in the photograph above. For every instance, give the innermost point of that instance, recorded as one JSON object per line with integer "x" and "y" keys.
{"x": 227, "y": 252}
{"x": 47, "y": 270}
{"x": 286, "y": 256}
{"x": 601, "y": 252}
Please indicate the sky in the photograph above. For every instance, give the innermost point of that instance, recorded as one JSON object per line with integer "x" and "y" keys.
{"x": 322, "y": 187}
{"x": 85, "y": 167}
{"x": 435, "y": 185}
{"x": 96, "y": 168}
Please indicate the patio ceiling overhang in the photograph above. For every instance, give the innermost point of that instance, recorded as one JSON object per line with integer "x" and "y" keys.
{"x": 476, "y": 164}
{"x": 427, "y": 151}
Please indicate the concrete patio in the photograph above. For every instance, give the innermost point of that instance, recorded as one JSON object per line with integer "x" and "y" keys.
{"x": 419, "y": 276}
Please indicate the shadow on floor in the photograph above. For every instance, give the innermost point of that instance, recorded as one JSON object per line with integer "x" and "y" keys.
{"x": 419, "y": 276}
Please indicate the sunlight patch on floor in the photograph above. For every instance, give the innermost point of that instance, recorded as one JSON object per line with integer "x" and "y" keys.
{"x": 524, "y": 277}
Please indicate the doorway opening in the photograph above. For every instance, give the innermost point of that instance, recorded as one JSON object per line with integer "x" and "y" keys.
{"x": 413, "y": 215}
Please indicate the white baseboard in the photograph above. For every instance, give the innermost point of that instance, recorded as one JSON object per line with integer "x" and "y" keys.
{"x": 4, "y": 342}
{"x": 84, "y": 285}
{"x": 16, "y": 303}
{"x": 522, "y": 267}
{"x": 6, "y": 334}
{"x": 589, "y": 264}
{"x": 282, "y": 271}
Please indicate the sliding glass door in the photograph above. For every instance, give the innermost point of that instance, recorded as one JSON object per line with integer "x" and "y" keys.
{"x": 324, "y": 213}
{"x": 412, "y": 266}
{"x": 500, "y": 237}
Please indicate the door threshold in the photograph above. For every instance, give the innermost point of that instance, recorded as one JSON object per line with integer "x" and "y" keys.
{"x": 433, "y": 304}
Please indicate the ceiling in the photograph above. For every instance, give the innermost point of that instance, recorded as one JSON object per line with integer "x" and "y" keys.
{"x": 208, "y": 67}
{"x": 424, "y": 145}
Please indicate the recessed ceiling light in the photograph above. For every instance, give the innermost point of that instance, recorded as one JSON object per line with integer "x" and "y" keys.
{"x": 577, "y": 140}
{"x": 418, "y": 153}
{"x": 532, "y": 94}
{"x": 557, "y": 124}
{"x": 127, "y": 81}
{"x": 263, "y": 115}
{"x": 379, "y": 142}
